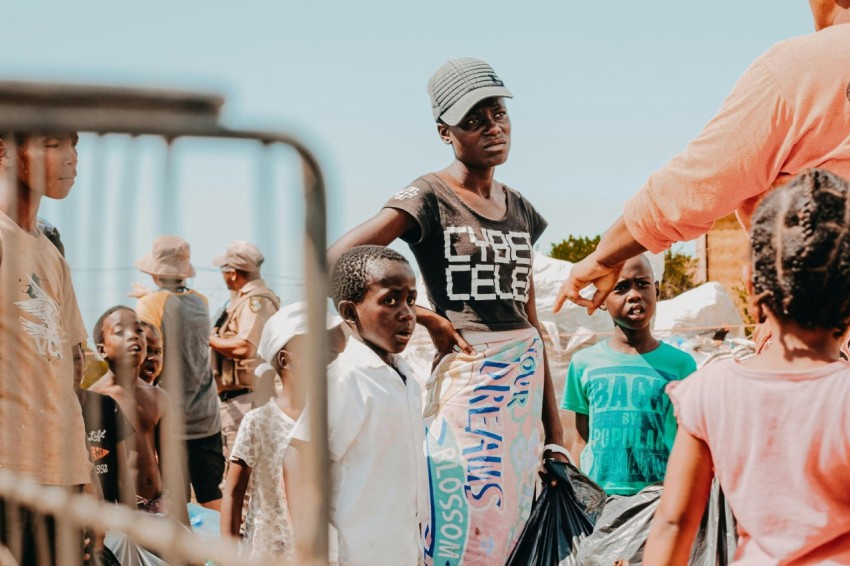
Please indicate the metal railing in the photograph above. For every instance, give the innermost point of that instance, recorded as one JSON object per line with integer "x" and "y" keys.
{"x": 30, "y": 108}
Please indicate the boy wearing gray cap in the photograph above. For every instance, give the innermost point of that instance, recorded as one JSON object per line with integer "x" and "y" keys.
{"x": 236, "y": 335}
{"x": 490, "y": 405}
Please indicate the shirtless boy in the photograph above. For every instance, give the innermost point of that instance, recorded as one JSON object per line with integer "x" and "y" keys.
{"x": 120, "y": 340}
{"x": 152, "y": 366}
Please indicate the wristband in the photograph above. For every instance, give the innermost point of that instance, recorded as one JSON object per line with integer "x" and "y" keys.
{"x": 557, "y": 448}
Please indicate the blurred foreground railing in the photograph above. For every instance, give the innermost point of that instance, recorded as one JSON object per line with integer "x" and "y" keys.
{"x": 27, "y": 108}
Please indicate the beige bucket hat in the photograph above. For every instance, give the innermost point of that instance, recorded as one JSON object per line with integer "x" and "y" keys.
{"x": 168, "y": 258}
{"x": 240, "y": 255}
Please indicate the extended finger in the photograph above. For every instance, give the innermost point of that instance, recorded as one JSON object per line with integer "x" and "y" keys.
{"x": 464, "y": 345}
{"x": 599, "y": 298}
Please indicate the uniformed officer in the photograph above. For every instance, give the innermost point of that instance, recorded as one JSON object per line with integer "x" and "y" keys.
{"x": 236, "y": 335}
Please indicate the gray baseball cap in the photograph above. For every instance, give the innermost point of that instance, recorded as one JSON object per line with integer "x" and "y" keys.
{"x": 459, "y": 85}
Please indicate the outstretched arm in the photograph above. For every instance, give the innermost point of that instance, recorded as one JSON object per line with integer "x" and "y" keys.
{"x": 687, "y": 487}
{"x": 601, "y": 268}
{"x": 383, "y": 229}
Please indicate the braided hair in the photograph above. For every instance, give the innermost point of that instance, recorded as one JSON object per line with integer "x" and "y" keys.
{"x": 353, "y": 272}
{"x": 801, "y": 251}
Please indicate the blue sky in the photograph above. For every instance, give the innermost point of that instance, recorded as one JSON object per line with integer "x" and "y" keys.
{"x": 605, "y": 93}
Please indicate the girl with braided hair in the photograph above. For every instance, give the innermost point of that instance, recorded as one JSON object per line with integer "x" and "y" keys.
{"x": 785, "y": 477}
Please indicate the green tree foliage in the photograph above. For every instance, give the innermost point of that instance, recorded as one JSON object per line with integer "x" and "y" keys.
{"x": 574, "y": 248}
{"x": 678, "y": 274}
{"x": 678, "y": 267}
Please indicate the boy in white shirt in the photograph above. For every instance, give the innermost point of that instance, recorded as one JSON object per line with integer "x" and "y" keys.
{"x": 375, "y": 414}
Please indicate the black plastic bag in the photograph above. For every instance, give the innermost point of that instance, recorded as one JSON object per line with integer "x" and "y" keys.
{"x": 717, "y": 539}
{"x": 590, "y": 496}
{"x": 623, "y": 527}
{"x": 621, "y": 530}
{"x": 558, "y": 519}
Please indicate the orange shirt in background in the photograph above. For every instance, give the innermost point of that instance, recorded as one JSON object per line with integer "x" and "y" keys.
{"x": 790, "y": 111}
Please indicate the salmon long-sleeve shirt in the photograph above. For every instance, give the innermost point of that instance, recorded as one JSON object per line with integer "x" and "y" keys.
{"x": 790, "y": 111}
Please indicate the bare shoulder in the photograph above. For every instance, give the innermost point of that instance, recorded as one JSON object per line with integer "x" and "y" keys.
{"x": 154, "y": 397}
{"x": 105, "y": 385}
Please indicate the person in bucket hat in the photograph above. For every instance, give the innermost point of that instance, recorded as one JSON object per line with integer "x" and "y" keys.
{"x": 236, "y": 335}
{"x": 182, "y": 317}
{"x": 169, "y": 259}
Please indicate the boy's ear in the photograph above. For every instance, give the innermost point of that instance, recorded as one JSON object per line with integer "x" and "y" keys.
{"x": 657, "y": 291}
{"x": 100, "y": 351}
{"x": 281, "y": 358}
{"x": 348, "y": 311}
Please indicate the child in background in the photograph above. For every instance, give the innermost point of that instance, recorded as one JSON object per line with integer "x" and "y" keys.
{"x": 120, "y": 340}
{"x": 152, "y": 366}
{"x": 375, "y": 425}
{"x": 263, "y": 439}
{"x": 107, "y": 430}
{"x": 624, "y": 421}
{"x": 775, "y": 429}
{"x": 41, "y": 332}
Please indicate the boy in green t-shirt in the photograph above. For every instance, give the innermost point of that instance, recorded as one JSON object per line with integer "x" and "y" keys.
{"x": 624, "y": 420}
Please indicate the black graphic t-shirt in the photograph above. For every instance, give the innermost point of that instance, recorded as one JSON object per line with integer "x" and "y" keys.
{"x": 106, "y": 426}
{"x": 476, "y": 269}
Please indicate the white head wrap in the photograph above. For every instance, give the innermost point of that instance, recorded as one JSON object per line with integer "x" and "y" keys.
{"x": 287, "y": 323}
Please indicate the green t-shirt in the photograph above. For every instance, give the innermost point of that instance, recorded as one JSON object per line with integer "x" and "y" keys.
{"x": 630, "y": 417}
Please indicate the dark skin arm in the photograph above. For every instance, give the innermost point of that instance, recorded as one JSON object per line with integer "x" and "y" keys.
{"x": 382, "y": 229}
{"x": 235, "y": 348}
{"x": 580, "y": 438}
{"x": 235, "y": 486}
{"x": 687, "y": 487}
{"x": 551, "y": 420}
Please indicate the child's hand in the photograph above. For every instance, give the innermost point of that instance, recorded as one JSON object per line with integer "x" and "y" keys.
{"x": 139, "y": 290}
{"x": 445, "y": 336}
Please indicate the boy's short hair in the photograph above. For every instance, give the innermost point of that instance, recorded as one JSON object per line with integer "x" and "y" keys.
{"x": 97, "y": 332}
{"x": 351, "y": 275}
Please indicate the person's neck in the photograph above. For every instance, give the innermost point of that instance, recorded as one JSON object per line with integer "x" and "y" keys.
{"x": 633, "y": 341}
{"x": 296, "y": 395}
{"x": 479, "y": 181}
{"x": 834, "y": 15}
{"x": 795, "y": 347}
{"x": 172, "y": 286}
{"x": 21, "y": 205}
{"x": 385, "y": 356}
{"x": 126, "y": 378}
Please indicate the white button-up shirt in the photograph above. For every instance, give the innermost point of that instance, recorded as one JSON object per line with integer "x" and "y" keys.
{"x": 378, "y": 474}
